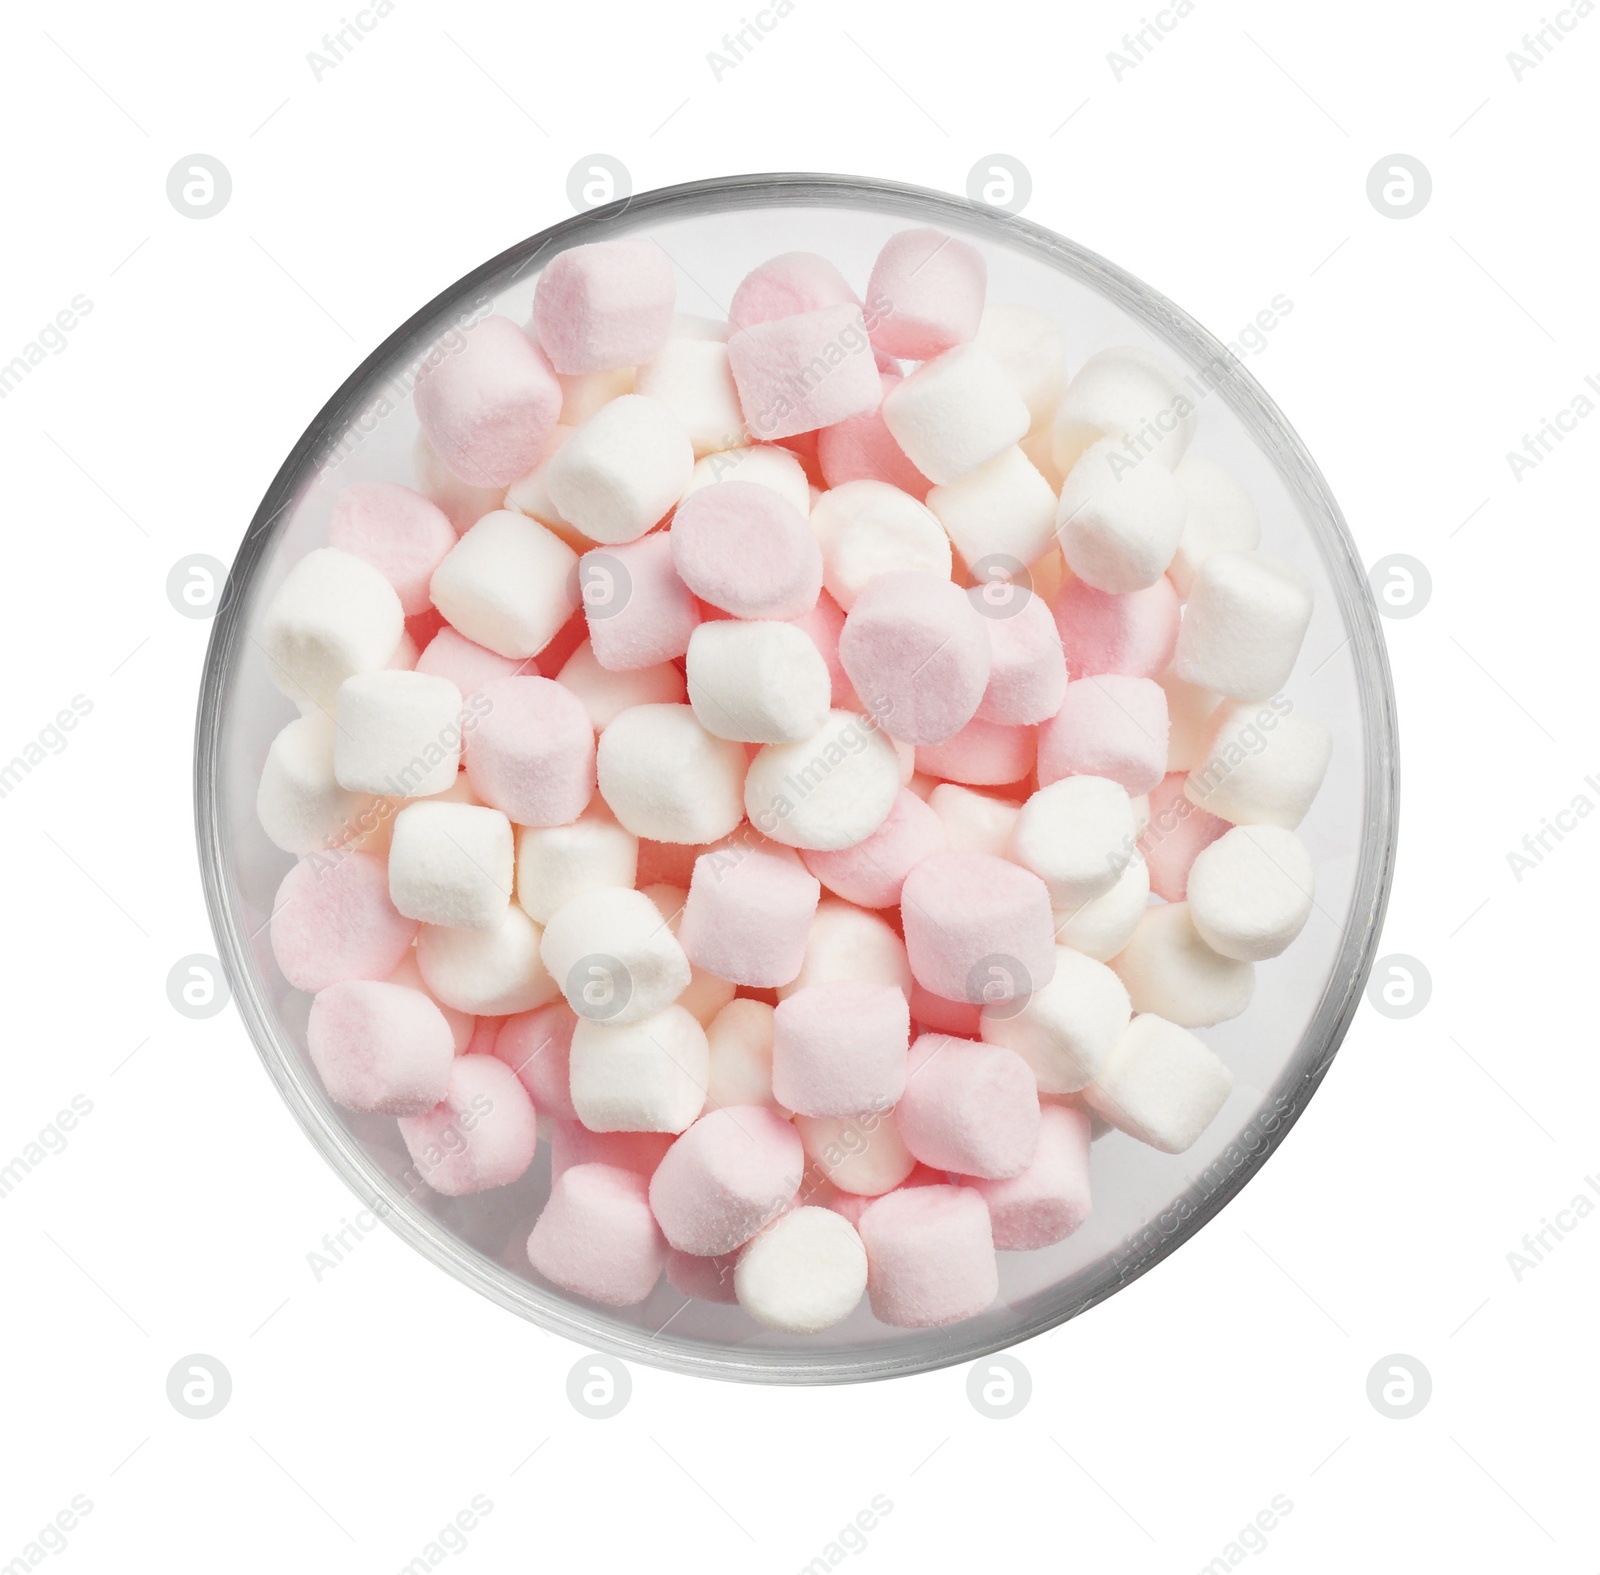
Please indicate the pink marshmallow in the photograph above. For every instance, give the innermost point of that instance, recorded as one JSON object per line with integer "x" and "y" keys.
{"x": 398, "y": 531}
{"x": 978, "y": 928}
{"x": 982, "y": 754}
{"x": 332, "y": 920}
{"x": 1109, "y": 726}
{"x": 703, "y": 1279}
{"x": 604, "y": 306}
{"x": 572, "y": 1143}
{"x": 732, "y": 1172}
{"x": 482, "y": 1134}
{"x": 917, "y": 654}
{"x": 468, "y": 665}
{"x": 969, "y": 1107}
{"x": 537, "y": 1046}
{"x": 824, "y": 623}
{"x": 640, "y": 614}
{"x": 839, "y": 1049}
{"x": 597, "y": 1238}
{"x": 383, "y": 1048}
{"x": 785, "y": 286}
{"x": 1134, "y": 634}
{"x": 749, "y": 913}
{"x": 872, "y": 873}
{"x": 930, "y": 1256}
{"x": 854, "y": 1204}
{"x": 741, "y": 547}
{"x": 937, "y": 1015}
{"x": 1178, "y": 832}
{"x": 798, "y": 373}
{"x": 487, "y": 408}
{"x": 1050, "y": 1199}
{"x": 531, "y": 754}
{"x": 926, "y": 294}
{"x": 862, "y": 448}
{"x": 1027, "y": 669}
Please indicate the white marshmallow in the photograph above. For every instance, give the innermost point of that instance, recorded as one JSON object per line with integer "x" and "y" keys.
{"x": 1128, "y": 395}
{"x": 333, "y": 616}
{"x": 803, "y": 1274}
{"x": 1242, "y": 628}
{"x": 614, "y": 956}
{"x": 1075, "y": 835}
{"x": 705, "y": 995}
{"x": 668, "y": 779}
{"x": 740, "y": 1037}
{"x": 690, "y": 377}
{"x": 376, "y": 827}
{"x": 1262, "y": 766}
{"x": 1101, "y": 927}
{"x": 530, "y": 494}
{"x": 1161, "y": 1085}
{"x": 1119, "y": 520}
{"x": 1066, "y": 1029}
{"x": 451, "y": 864}
{"x": 583, "y": 393}
{"x": 398, "y": 733}
{"x": 867, "y": 528}
{"x": 462, "y": 1024}
{"x": 1251, "y": 892}
{"x": 299, "y": 802}
{"x": 557, "y": 863}
{"x": 1169, "y": 970}
{"x": 606, "y": 695}
{"x": 765, "y": 464}
{"x": 488, "y": 972}
{"x": 757, "y": 682}
{"x": 1222, "y": 518}
{"x": 648, "y": 1076}
{"x": 1190, "y": 710}
{"x": 509, "y": 584}
{"x": 974, "y": 822}
{"x": 1004, "y": 507}
{"x": 831, "y": 790}
{"x": 622, "y": 469}
{"x": 864, "y": 1155}
{"x": 847, "y": 942}
{"x": 955, "y": 413}
{"x": 1032, "y": 349}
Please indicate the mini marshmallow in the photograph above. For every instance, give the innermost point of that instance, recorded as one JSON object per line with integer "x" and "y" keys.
{"x": 490, "y": 972}
{"x": 742, "y": 548}
{"x": 706, "y": 994}
{"x": 482, "y": 1134}
{"x": 508, "y": 584}
{"x": 1119, "y": 520}
{"x": 572, "y": 1143}
{"x": 606, "y": 695}
{"x": 451, "y": 864}
{"x": 398, "y": 531}
{"x": 532, "y": 752}
{"x": 1128, "y": 396}
{"x": 1222, "y": 518}
{"x": 974, "y": 822}
{"x": 690, "y": 378}
{"x": 537, "y": 1046}
{"x": 468, "y": 665}
{"x": 1066, "y": 1029}
{"x": 873, "y": 871}
{"x": 557, "y": 863}
{"x": 299, "y": 802}
{"x": 731, "y": 1173}
{"x": 926, "y": 292}
{"x": 487, "y": 408}
{"x": 463, "y": 1025}
{"x": 748, "y": 913}
{"x": 463, "y": 503}
{"x": 1075, "y": 834}
{"x": 1003, "y": 508}
{"x": 785, "y": 286}
{"x": 759, "y": 465}
{"x": 936, "y": 1015}
{"x": 668, "y": 779}
{"x": 380, "y": 1048}
{"x": 839, "y": 1049}
{"x": 613, "y": 956}
{"x": 867, "y": 528}
{"x": 333, "y": 617}
{"x": 1242, "y": 629}
{"x": 1102, "y": 926}
{"x": 332, "y": 920}
{"x": 969, "y": 1107}
{"x": 862, "y": 448}
{"x": 930, "y": 1256}
{"x": 597, "y": 1238}
{"x": 809, "y": 370}
{"x": 1262, "y": 765}
{"x": 1170, "y": 970}
{"x": 622, "y": 469}
{"x": 530, "y": 494}
{"x": 1027, "y": 670}
{"x": 982, "y": 754}
{"x": 398, "y": 733}
{"x": 605, "y": 305}
{"x": 846, "y": 942}
{"x": 1050, "y": 1199}
{"x": 822, "y": 626}
{"x": 1030, "y": 346}
{"x": 1108, "y": 726}
{"x": 1134, "y": 634}
{"x": 863, "y": 1155}
{"x": 740, "y": 1040}
{"x": 804, "y": 1273}
{"x": 1191, "y": 711}
{"x": 757, "y": 682}
{"x": 955, "y": 413}
{"x": 1251, "y": 892}
{"x": 647, "y": 1076}
{"x": 637, "y": 611}
{"x": 1175, "y": 836}
{"x": 1161, "y": 1085}
{"x": 831, "y": 790}
{"x": 918, "y": 653}
{"x": 583, "y": 393}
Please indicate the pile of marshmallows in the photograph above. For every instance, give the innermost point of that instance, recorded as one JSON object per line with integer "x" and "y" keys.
{"x": 748, "y": 757}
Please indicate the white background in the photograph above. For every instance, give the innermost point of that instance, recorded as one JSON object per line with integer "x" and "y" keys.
{"x": 1226, "y": 168}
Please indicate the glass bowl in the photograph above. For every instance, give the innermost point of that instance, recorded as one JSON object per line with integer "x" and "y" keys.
{"x": 1145, "y": 1203}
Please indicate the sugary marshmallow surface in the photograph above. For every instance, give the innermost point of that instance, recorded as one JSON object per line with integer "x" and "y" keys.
{"x": 532, "y": 751}
{"x": 1222, "y": 518}
{"x": 847, "y": 942}
{"x": 743, "y": 548}
{"x": 757, "y": 681}
{"x": 1261, "y": 765}
{"x": 1132, "y": 397}
{"x": 796, "y": 374}
{"x": 867, "y": 528}
{"x": 491, "y": 971}
{"x": 740, "y": 1040}
{"x": 507, "y": 584}
{"x": 299, "y": 802}
{"x": 332, "y": 920}
{"x": 451, "y": 864}
{"x": 1027, "y": 668}
{"x": 873, "y": 871}
{"x": 840, "y": 1049}
{"x": 606, "y": 305}
{"x": 1110, "y": 726}
{"x": 1119, "y": 520}
{"x": 930, "y": 1256}
{"x": 557, "y": 863}
{"x": 637, "y": 610}
{"x": 831, "y": 790}
{"x": 1161, "y": 1085}
{"x": 1050, "y": 1199}
{"x": 1251, "y": 892}
{"x": 596, "y": 1236}
{"x": 482, "y": 1134}
{"x": 1247, "y": 615}
{"x": 804, "y": 1273}
{"x": 926, "y": 293}
{"x": 969, "y": 1107}
{"x": 690, "y": 377}
{"x": 668, "y": 779}
{"x": 863, "y": 1155}
{"x": 1075, "y": 834}
{"x": 380, "y": 1047}
{"x": 1004, "y": 508}
{"x": 1134, "y": 633}
{"x": 1065, "y": 1030}
{"x": 1103, "y": 925}
{"x": 606, "y": 695}
{"x": 731, "y": 1173}
{"x": 749, "y": 912}
{"x": 646, "y": 1076}
{"x": 622, "y": 469}
{"x": 1170, "y": 970}
{"x": 955, "y": 413}
{"x": 613, "y": 956}
{"x": 398, "y": 531}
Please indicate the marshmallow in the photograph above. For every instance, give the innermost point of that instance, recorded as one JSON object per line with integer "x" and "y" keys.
{"x": 508, "y": 584}
{"x": 1242, "y": 628}
{"x": 757, "y": 682}
{"x": 1003, "y": 508}
{"x": 930, "y": 1256}
{"x": 748, "y": 913}
{"x": 785, "y": 286}
{"x": 926, "y": 293}
{"x": 482, "y": 1134}
{"x": 398, "y": 531}
{"x": 597, "y": 1238}
{"x": 1027, "y": 671}
{"x": 1102, "y": 926}
{"x": 1050, "y": 1199}
{"x": 583, "y": 393}
{"x": 647, "y": 1076}
{"x": 380, "y": 1047}
{"x": 1118, "y": 519}
{"x": 760, "y": 465}
{"x": 332, "y": 920}
{"x": 605, "y": 305}
{"x": 1251, "y": 892}
{"x": 490, "y": 972}
{"x": 982, "y": 754}
{"x": 463, "y": 1025}
{"x": 1262, "y": 765}
{"x": 299, "y": 802}
{"x": 703, "y": 1279}
{"x": 1030, "y": 347}
{"x": 862, "y": 448}
{"x": 468, "y": 665}
{"x": 1065, "y": 1030}
{"x": 463, "y": 503}
{"x": 840, "y": 1049}
{"x": 1131, "y": 397}
{"x": 572, "y": 1143}
{"x": 740, "y": 1039}
{"x": 831, "y": 790}
{"x": 451, "y": 864}
{"x": 1161, "y": 1085}
{"x": 974, "y": 822}
{"x": 955, "y": 413}
{"x": 873, "y": 871}
{"x": 1108, "y": 726}
{"x": 537, "y": 1046}
{"x": 557, "y": 863}
{"x": 863, "y": 1155}
{"x": 398, "y": 733}
{"x": 487, "y": 408}
{"x": 742, "y": 548}
{"x": 867, "y": 528}
{"x": 822, "y": 626}
{"x": 1222, "y": 518}
{"x": 706, "y": 994}
{"x": 622, "y": 469}
{"x": 1133, "y": 634}
{"x": 532, "y": 752}
{"x": 690, "y": 377}
{"x": 668, "y": 779}
{"x": 1177, "y": 832}
{"x": 969, "y": 1107}
{"x": 1170, "y": 970}
{"x": 731, "y": 1173}
{"x": 797, "y": 373}
{"x": 918, "y": 653}
{"x": 636, "y": 609}
{"x": 613, "y": 956}
{"x": 846, "y": 942}
{"x": 1190, "y": 711}
{"x": 935, "y": 1014}
{"x": 606, "y": 695}
{"x": 804, "y": 1273}
{"x": 334, "y": 616}
{"x": 1076, "y": 835}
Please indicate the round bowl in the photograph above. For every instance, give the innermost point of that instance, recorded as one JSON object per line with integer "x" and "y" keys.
{"x": 1146, "y": 1203}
